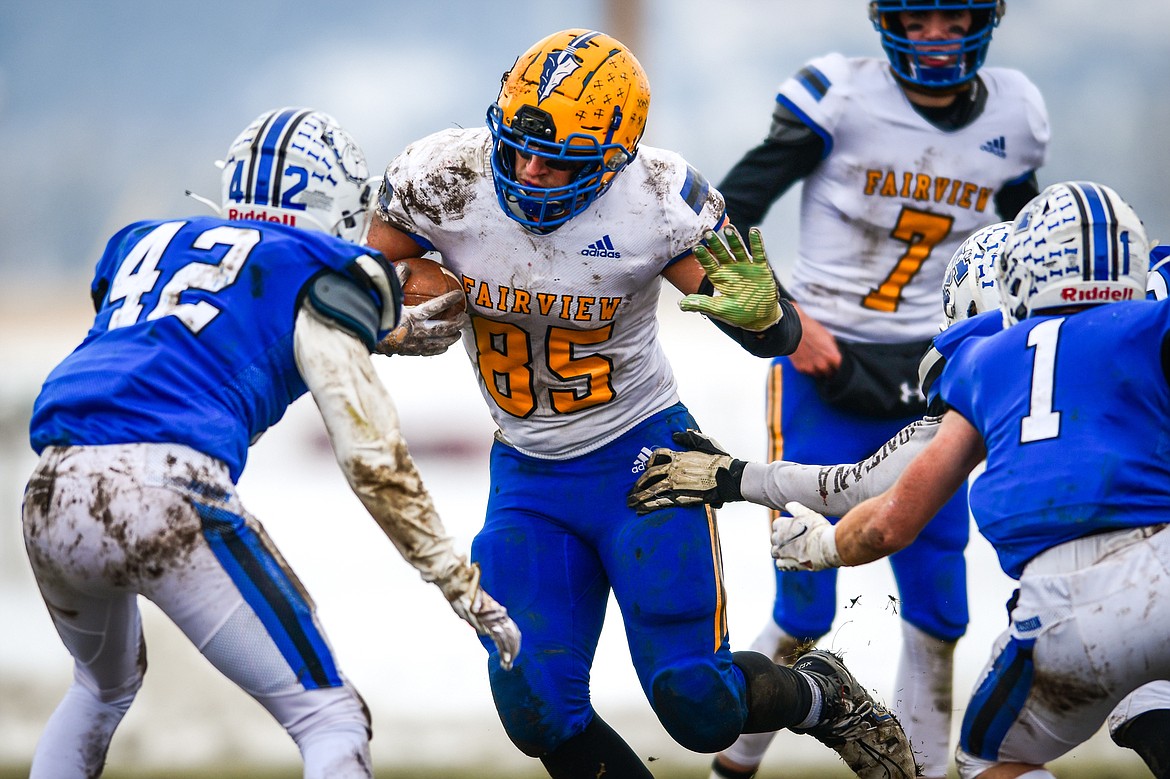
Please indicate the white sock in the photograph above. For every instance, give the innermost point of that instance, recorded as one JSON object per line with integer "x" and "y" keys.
{"x": 341, "y": 752}
{"x": 818, "y": 704}
{"x": 923, "y": 698}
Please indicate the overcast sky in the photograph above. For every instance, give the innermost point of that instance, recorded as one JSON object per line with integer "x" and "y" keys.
{"x": 109, "y": 110}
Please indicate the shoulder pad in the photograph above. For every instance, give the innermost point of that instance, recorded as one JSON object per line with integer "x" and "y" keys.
{"x": 342, "y": 300}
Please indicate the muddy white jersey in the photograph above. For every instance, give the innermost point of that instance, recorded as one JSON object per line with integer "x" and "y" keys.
{"x": 895, "y": 196}
{"x": 564, "y": 340}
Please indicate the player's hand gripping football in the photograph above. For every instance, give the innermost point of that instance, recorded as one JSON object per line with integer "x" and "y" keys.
{"x": 747, "y": 295}
{"x": 705, "y": 474}
{"x": 419, "y": 333}
{"x": 482, "y": 612}
{"x": 806, "y": 541}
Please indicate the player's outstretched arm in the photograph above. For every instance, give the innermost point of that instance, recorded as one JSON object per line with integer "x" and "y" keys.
{"x": 747, "y": 295}
{"x": 362, "y": 423}
{"x": 702, "y": 474}
{"x": 707, "y": 474}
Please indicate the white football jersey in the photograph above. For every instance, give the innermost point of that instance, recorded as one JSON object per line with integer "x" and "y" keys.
{"x": 565, "y": 330}
{"x": 895, "y": 196}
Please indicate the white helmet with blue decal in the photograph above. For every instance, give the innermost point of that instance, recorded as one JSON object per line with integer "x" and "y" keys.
{"x": 298, "y": 167}
{"x": 1075, "y": 244}
{"x": 969, "y": 281}
{"x": 918, "y": 62}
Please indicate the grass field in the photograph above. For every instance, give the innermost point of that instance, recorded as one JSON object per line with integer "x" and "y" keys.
{"x": 1066, "y": 768}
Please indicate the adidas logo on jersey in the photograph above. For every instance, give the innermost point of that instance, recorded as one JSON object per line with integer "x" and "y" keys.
{"x": 601, "y": 248}
{"x": 641, "y": 460}
{"x": 997, "y": 146}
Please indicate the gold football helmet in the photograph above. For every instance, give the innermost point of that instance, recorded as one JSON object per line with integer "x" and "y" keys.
{"x": 578, "y": 99}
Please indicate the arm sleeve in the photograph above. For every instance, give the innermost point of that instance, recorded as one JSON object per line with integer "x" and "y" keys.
{"x": 779, "y": 339}
{"x": 362, "y": 423}
{"x": 788, "y": 154}
{"x": 1013, "y": 196}
{"x": 834, "y": 489}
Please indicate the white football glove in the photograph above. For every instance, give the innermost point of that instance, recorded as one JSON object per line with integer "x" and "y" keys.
{"x": 482, "y": 612}
{"x": 418, "y": 334}
{"x": 806, "y": 541}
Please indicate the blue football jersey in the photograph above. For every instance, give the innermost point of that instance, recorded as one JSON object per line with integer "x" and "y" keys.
{"x": 1072, "y": 410}
{"x": 945, "y": 343}
{"x": 193, "y": 338}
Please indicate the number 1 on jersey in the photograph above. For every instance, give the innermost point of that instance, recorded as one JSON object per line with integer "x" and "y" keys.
{"x": 1042, "y": 423}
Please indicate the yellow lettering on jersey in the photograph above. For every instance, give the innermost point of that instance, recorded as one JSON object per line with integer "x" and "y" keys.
{"x": 922, "y": 187}
{"x": 483, "y": 298}
{"x": 926, "y": 188}
{"x": 578, "y": 308}
{"x": 940, "y": 188}
{"x": 520, "y": 302}
{"x": 545, "y": 300}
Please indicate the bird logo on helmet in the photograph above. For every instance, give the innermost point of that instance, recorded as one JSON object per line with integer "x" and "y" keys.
{"x": 1075, "y": 244}
{"x": 298, "y": 167}
{"x": 579, "y": 100}
{"x": 917, "y": 63}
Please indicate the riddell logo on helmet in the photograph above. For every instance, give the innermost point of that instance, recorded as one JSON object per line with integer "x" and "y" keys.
{"x": 1102, "y": 294}
{"x": 262, "y": 216}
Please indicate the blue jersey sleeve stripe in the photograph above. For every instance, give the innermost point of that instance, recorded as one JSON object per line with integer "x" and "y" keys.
{"x": 814, "y": 81}
{"x": 694, "y": 189}
{"x": 826, "y": 138}
{"x": 272, "y": 594}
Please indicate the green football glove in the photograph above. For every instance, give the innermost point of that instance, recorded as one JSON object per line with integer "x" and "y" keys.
{"x": 706, "y": 474}
{"x": 746, "y": 293}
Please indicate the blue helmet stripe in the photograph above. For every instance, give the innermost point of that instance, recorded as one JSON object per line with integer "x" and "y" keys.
{"x": 279, "y": 128}
{"x": 1097, "y": 228}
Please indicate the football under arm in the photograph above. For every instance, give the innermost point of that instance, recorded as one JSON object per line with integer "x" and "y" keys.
{"x": 834, "y": 489}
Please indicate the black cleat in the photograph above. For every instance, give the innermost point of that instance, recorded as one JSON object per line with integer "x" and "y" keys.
{"x": 863, "y": 732}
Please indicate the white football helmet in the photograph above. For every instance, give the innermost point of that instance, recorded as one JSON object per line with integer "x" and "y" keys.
{"x": 298, "y": 167}
{"x": 1075, "y": 244}
{"x": 969, "y": 282}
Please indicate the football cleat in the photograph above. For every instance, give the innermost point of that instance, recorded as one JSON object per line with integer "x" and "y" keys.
{"x": 862, "y": 731}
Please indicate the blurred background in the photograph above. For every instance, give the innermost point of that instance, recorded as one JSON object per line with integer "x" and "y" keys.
{"x": 111, "y": 110}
